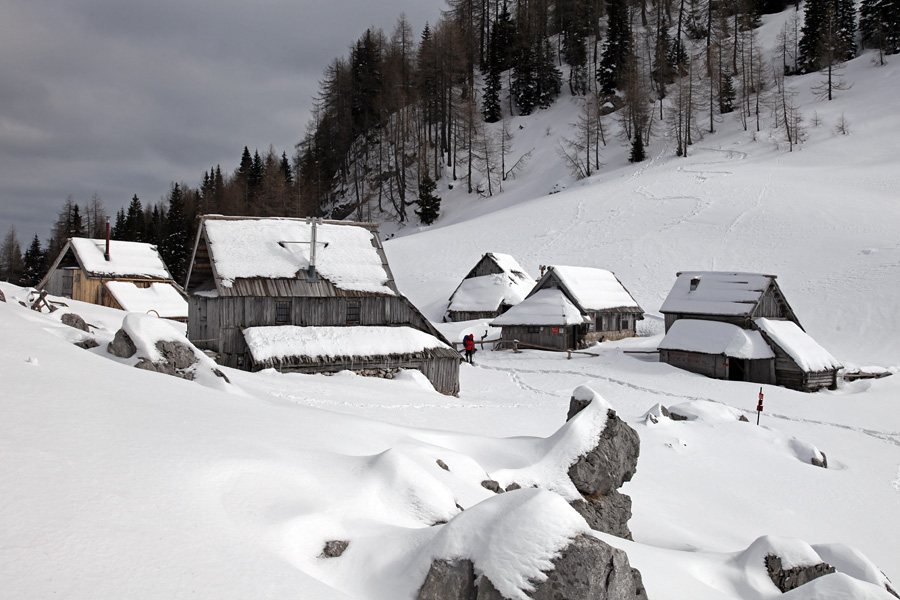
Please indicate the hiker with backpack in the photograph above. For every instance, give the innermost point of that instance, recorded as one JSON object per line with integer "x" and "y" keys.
{"x": 469, "y": 346}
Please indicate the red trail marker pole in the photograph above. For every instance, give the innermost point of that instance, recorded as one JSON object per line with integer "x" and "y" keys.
{"x": 759, "y": 407}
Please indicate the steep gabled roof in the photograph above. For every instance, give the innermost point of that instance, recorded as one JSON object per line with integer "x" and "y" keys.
{"x": 590, "y": 289}
{"x": 271, "y": 257}
{"x": 508, "y": 284}
{"x": 162, "y": 298}
{"x": 717, "y": 293}
{"x": 127, "y": 260}
{"x": 544, "y": 307}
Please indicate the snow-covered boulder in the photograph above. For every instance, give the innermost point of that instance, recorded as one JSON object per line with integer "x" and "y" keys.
{"x": 599, "y": 473}
{"x": 525, "y": 544}
{"x": 159, "y": 345}
{"x": 73, "y": 320}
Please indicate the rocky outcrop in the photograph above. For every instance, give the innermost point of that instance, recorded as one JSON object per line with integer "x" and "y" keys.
{"x": 788, "y": 579}
{"x": 73, "y": 320}
{"x": 587, "y": 569}
{"x": 2, "y": 297}
{"x": 823, "y": 462}
{"x": 598, "y": 474}
{"x": 122, "y": 345}
{"x": 608, "y": 513}
{"x": 449, "y": 580}
{"x": 177, "y": 359}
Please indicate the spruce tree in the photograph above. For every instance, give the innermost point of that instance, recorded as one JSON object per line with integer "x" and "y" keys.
{"x": 525, "y": 81}
{"x": 879, "y": 24}
{"x": 429, "y": 202}
{"x": 11, "y": 257}
{"x": 176, "y": 233}
{"x": 727, "y": 94}
{"x": 828, "y": 35}
{"x": 34, "y": 264}
{"x": 616, "y": 47}
{"x": 549, "y": 78}
{"x": 637, "y": 148}
{"x": 134, "y": 226}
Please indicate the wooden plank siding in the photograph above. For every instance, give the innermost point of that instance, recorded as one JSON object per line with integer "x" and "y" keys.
{"x": 789, "y": 374}
{"x": 440, "y": 366}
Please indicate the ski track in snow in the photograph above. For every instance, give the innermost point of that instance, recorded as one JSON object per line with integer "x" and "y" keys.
{"x": 890, "y": 437}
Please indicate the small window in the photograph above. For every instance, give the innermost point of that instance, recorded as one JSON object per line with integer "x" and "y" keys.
{"x": 282, "y": 312}
{"x": 534, "y": 329}
{"x": 353, "y": 312}
{"x": 625, "y": 323}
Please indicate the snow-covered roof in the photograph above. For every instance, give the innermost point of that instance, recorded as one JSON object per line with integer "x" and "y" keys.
{"x": 545, "y": 307}
{"x": 716, "y": 293}
{"x": 488, "y": 292}
{"x": 346, "y": 255}
{"x": 714, "y": 337}
{"x": 267, "y": 343}
{"x": 510, "y": 265}
{"x": 806, "y": 352}
{"x": 163, "y": 298}
{"x": 126, "y": 259}
{"x": 595, "y": 289}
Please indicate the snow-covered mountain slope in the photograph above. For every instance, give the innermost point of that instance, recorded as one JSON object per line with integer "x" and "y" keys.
{"x": 116, "y": 482}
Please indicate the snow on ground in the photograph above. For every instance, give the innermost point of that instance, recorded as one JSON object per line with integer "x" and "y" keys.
{"x": 118, "y": 482}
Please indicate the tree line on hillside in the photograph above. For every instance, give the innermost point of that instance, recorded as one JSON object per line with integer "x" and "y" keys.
{"x": 403, "y": 112}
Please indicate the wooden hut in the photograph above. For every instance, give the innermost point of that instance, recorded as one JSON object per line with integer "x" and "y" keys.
{"x": 571, "y": 307}
{"x": 717, "y": 323}
{"x": 718, "y": 350}
{"x": 492, "y": 287}
{"x": 128, "y": 276}
{"x": 736, "y": 298}
{"x": 252, "y": 276}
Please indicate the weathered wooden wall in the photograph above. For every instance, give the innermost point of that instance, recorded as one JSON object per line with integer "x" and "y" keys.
{"x": 711, "y": 365}
{"x": 789, "y": 374}
{"x": 441, "y": 368}
{"x": 562, "y": 340}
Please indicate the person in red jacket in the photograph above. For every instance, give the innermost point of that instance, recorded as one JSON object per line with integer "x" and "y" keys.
{"x": 469, "y": 345}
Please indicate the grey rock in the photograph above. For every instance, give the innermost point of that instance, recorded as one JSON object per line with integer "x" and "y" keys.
{"x": 576, "y": 406}
{"x": 513, "y": 486}
{"x": 73, "y": 320}
{"x": 676, "y": 417}
{"x": 219, "y": 373}
{"x": 609, "y": 513}
{"x": 820, "y": 463}
{"x": 743, "y": 418}
{"x": 789, "y": 579}
{"x": 612, "y": 462}
{"x": 121, "y": 346}
{"x": 180, "y": 356}
{"x": 442, "y": 465}
{"x": 449, "y": 580}
{"x": 334, "y": 548}
{"x": 490, "y": 484}
{"x": 2, "y": 297}
{"x": 87, "y": 344}
{"x": 587, "y": 569}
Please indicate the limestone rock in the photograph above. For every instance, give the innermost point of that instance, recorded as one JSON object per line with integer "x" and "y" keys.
{"x": 334, "y": 548}
{"x": 820, "y": 463}
{"x": 587, "y": 569}
{"x": 121, "y": 346}
{"x": 609, "y": 513}
{"x": 490, "y": 484}
{"x": 2, "y": 297}
{"x": 449, "y": 580}
{"x": 87, "y": 344}
{"x": 73, "y": 320}
{"x": 612, "y": 462}
{"x": 788, "y": 579}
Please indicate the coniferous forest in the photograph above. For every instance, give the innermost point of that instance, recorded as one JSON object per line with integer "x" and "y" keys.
{"x": 405, "y": 109}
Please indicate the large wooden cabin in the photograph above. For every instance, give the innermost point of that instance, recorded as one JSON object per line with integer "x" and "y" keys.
{"x": 740, "y": 327}
{"x": 262, "y": 290}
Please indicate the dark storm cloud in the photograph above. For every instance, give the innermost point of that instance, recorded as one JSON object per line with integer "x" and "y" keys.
{"x": 123, "y": 97}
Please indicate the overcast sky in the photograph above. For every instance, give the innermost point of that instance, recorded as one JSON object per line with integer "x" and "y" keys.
{"x": 122, "y": 97}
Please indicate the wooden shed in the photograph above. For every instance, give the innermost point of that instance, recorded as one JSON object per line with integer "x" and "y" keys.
{"x": 571, "y": 307}
{"x": 492, "y": 287}
{"x": 255, "y": 273}
{"x": 718, "y": 322}
{"x": 128, "y": 276}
